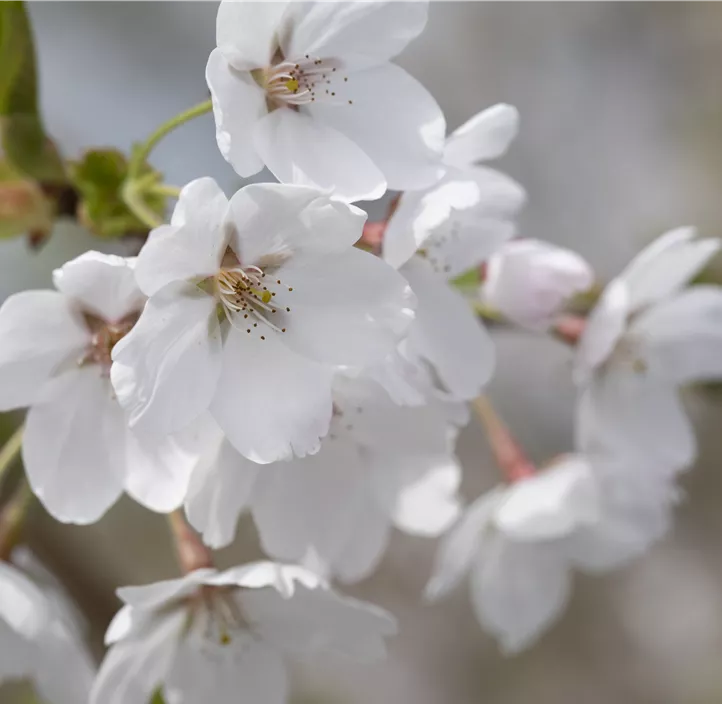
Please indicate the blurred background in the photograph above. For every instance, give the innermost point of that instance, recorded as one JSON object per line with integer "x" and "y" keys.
{"x": 621, "y": 139}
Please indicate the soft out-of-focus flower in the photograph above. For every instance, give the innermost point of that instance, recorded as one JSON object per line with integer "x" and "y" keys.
{"x": 434, "y": 236}
{"x": 529, "y": 281}
{"x": 649, "y": 333}
{"x": 520, "y": 542}
{"x": 253, "y": 303}
{"x": 211, "y": 635}
{"x": 306, "y": 89}
{"x": 55, "y": 349}
{"x": 380, "y": 465}
{"x": 40, "y": 640}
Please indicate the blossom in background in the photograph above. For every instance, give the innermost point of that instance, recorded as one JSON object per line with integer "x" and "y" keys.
{"x": 55, "y": 349}
{"x": 529, "y": 281}
{"x": 380, "y": 465}
{"x": 650, "y": 333}
{"x": 520, "y": 542}
{"x": 253, "y": 303}
{"x": 212, "y": 635}
{"x": 432, "y": 237}
{"x": 306, "y": 89}
{"x": 40, "y": 640}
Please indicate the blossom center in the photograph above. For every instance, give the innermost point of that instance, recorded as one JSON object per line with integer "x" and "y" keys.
{"x": 248, "y": 298}
{"x": 104, "y": 336}
{"x": 303, "y": 81}
{"x": 219, "y": 617}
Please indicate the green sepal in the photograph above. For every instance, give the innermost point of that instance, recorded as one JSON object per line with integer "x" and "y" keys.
{"x": 99, "y": 178}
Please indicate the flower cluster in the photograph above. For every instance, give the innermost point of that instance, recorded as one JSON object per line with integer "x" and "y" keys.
{"x": 273, "y": 353}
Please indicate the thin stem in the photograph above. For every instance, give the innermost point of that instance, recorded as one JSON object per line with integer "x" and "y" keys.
{"x": 164, "y": 189}
{"x": 192, "y": 553}
{"x": 134, "y": 200}
{"x": 10, "y": 451}
{"x": 508, "y": 453}
{"x": 140, "y": 155}
{"x": 12, "y": 518}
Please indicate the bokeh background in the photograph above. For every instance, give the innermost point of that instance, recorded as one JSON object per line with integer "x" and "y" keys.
{"x": 621, "y": 138}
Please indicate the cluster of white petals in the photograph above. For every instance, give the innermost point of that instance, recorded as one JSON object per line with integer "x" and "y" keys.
{"x": 260, "y": 356}
{"x": 211, "y": 635}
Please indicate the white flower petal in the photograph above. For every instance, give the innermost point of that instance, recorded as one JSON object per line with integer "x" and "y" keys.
{"x": 667, "y": 265}
{"x": 238, "y": 104}
{"x": 158, "y": 595}
{"x": 603, "y": 329}
{"x": 74, "y": 446}
{"x": 460, "y": 546}
{"x": 404, "y": 140}
{"x": 637, "y": 415}
{"x": 65, "y": 671}
{"x": 219, "y": 492}
{"x": 347, "y": 309}
{"x": 430, "y": 505}
{"x": 462, "y": 220}
{"x": 207, "y": 672}
{"x": 685, "y": 334}
{"x": 274, "y": 221}
{"x": 103, "y": 284}
{"x": 247, "y": 32}
{"x": 166, "y": 369}
{"x": 39, "y": 330}
{"x": 299, "y": 149}
{"x": 485, "y": 136}
{"x": 18, "y": 654}
{"x": 323, "y": 502}
{"x": 636, "y": 514}
{"x": 518, "y": 590}
{"x": 133, "y": 669}
{"x": 192, "y": 246}
{"x": 551, "y": 504}
{"x": 271, "y": 402}
{"x": 360, "y": 34}
{"x": 159, "y": 468}
{"x": 447, "y": 334}
{"x": 318, "y": 621}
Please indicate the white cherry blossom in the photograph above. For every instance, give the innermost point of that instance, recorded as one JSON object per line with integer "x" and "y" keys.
{"x": 211, "y": 635}
{"x": 253, "y": 304}
{"x": 520, "y": 543}
{"x": 41, "y": 640}
{"x": 55, "y": 349}
{"x": 306, "y": 89}
{"x": 650, "y": 333}
{"x": 432, "y": 237}
{"x": 529, "y": 281}
{"x": 380, "y": 465}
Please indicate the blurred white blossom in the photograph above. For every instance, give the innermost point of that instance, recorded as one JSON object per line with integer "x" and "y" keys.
{"x": 520, "y": 542}
{"x": 55, "y": 349}
{"x": 380, "y": 465}
{"x": 214, "y": 636}
{"x": 529, "y": 281}
{"x": 306, "y": 89}
{"x": 650, "y": 333}
{"x": 253, "y": 303}
{"x": 41, "y": 640}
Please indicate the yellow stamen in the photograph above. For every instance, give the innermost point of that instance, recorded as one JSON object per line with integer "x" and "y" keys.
{"x": 292, "y": 85}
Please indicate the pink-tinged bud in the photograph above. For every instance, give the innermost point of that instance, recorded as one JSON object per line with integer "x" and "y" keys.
{"x": 529, "y": 282}
{"x": 569, "y": 328}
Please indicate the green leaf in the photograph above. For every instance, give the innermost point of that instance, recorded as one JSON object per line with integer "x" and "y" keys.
{"x": 99, "y": 178}
{"x": 157, "y": 698}
{"x": 23, "y": 138}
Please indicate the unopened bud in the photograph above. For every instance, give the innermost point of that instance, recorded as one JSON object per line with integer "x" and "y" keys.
{"x": 529, "y": 282}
